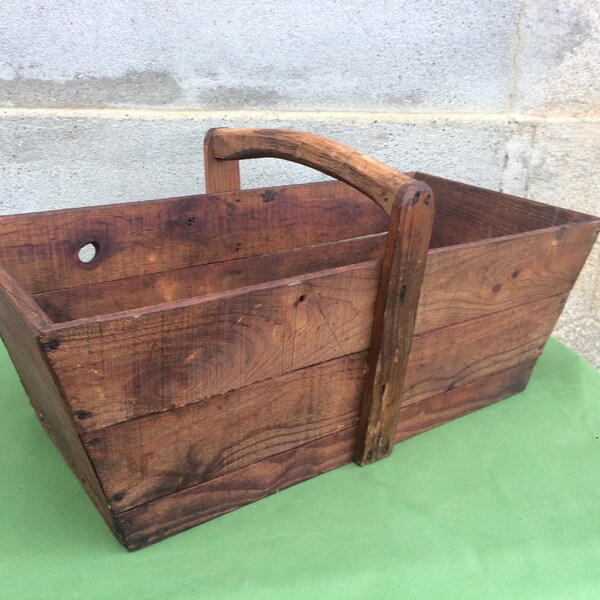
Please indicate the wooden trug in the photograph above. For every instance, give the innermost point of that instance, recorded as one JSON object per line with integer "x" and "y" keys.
{"x": 221, "y": 347}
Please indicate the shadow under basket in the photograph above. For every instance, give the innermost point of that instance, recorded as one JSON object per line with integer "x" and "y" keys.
{"x": 191, "y": 355}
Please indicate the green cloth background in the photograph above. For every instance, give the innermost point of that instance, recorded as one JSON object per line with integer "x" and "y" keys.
{"x": 503, "y": 503}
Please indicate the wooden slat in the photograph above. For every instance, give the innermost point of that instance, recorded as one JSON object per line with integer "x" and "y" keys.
{"x": 157, "y": 288}
{"x": 465, "y": 282}
{"x": 120, "y": 367}
{"x": 454, "y": 356}
{"x": 460, "y": 282}
{"x": 152, "y": 456}
{"x": 393, "y": 322}
{"x": 146, "y": 363}
{"x": 138, "y": 238}
{"x": 437, "y": 410}
{"x": 158, "y": 519}
{"x": 20, "y": 320}
{"x": 466, "y": 213}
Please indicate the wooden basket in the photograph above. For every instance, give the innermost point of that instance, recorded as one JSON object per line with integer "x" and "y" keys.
{"x": 218, "y": 348}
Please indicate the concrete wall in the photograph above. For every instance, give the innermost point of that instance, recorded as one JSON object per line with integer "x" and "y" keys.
{"x": 109, "y": 101}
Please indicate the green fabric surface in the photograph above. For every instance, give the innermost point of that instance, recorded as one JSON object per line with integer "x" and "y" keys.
{"x": 503, "y": 503}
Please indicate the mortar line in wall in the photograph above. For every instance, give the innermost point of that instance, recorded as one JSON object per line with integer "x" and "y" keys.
{"x": 281, "y": 115}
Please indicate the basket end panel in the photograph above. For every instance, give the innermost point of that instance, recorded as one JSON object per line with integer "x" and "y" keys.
{"x": 439, "y": 409}
{"x": 460, "y": 368}
{"x": 19, "y": 327}
{"x": 467, "y": 213}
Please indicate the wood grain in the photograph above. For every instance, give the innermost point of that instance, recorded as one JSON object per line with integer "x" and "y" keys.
{"x": 454, "y": 356}
{"x": 158, "y": 519}
{"x": 468, "y": 281}
{"x": 152, "y": 456}
{"x": 151, "y": 522}
{"x": 126, "y": 365}
{"x": 439, "y": 409}
{"x": 393, "y": 322}
{"x": 158, "y": 288}
{"x": 139, "y": 238}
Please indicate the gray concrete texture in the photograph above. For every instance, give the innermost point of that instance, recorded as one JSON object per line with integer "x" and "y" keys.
{"x": 109, "y": 101}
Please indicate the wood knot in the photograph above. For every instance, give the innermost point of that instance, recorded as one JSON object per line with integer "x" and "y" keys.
{"x": 269, "y": 196}
{"x": 82, "y": 415}
{"x": 52, "y": 344}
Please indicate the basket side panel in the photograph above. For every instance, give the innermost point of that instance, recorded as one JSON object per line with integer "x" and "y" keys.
{"x": 163, "y": 517}
{"x": 172, "y": 450}
{"x": 123, "y": 367}
{"x": 41, "y": 249}
{"x": 463, "y": 283}
{"x": 19, "y": 334}
{"x": 156, "y": 520}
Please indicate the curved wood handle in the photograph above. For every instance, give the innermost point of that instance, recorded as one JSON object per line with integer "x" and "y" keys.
{"x": 373, "y": 178}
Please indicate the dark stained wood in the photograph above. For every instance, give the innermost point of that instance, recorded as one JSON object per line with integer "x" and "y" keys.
{"x": 215, "y": 350}
{"x": 466, "y": 213}
{"x": 454, "y": 356}
{"x": 393, "y": 322}
{"x": 20, "y": 322}
{"x": 158, "y": 288}
{"x": 158, "y": 519}
{"x": 468, "y": 281}
{"x": 155, "y": 520}
{"x": 129, "y": 364}
{"x": 169, "y": 451}
{"x": 437, "y": 410}
{"x": 139, "y": 238}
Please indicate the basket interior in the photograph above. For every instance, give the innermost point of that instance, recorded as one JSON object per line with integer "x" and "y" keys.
{"x": 86, "y": 262}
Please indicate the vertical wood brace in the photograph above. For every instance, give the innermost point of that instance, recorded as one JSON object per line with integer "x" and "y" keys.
{"x": 220, "y": 175}
{"x": 396, "y": 306}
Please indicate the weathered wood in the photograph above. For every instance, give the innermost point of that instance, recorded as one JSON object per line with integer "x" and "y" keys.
{"x": 214, "y": 350}
{"x": 446, "y": 406}
{"x": 277, "y": 333}
{"x": 126, "y": 365}
{"x": 472, "y": 280}
{"x": 163, "y": 517}
{"x": 169, "y": 451}
{"x": 157, "y": 288}
{"x": 225, "y": 432}
{"x": 454, "y": 356}
{"x": 373, "y": 178}
{"x": 158, "y": 519}
{"x": 40, "y": 249}
{"x": 466, "y": 213}
{"x": 393, "y": 322}
{"x": 20, "y": 322}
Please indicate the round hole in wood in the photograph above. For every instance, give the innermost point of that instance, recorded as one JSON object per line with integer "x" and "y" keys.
{"x": 88, "y": 252}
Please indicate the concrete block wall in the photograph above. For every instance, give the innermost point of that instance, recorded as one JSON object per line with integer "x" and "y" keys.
{"x": 109, "y": 101}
